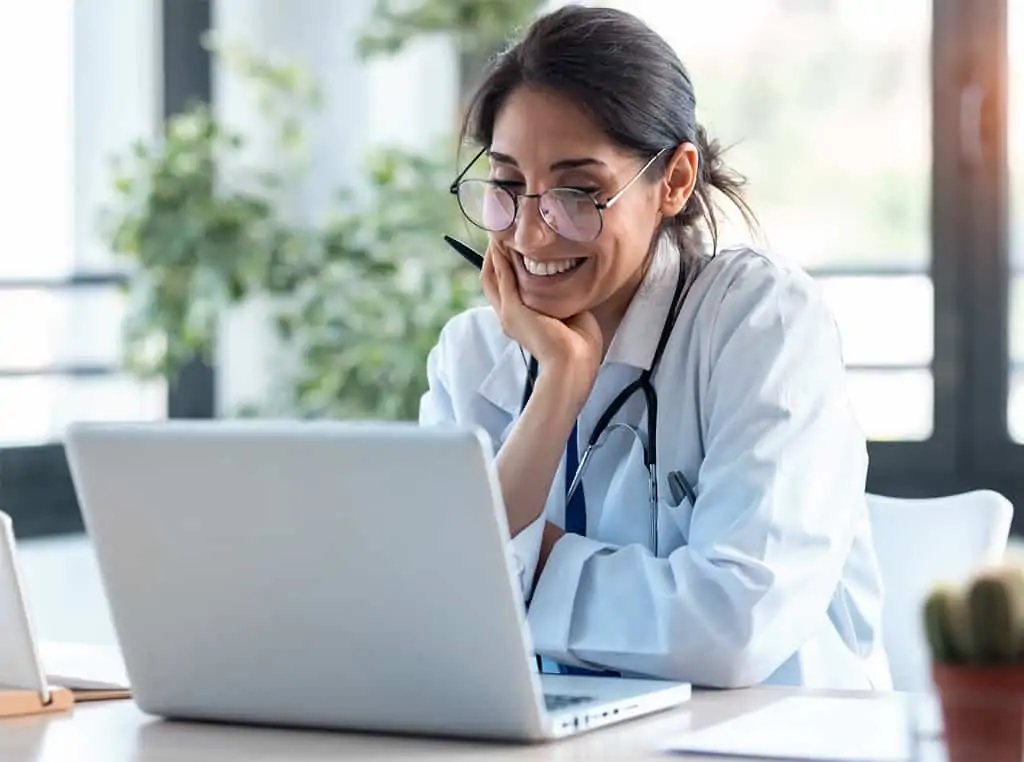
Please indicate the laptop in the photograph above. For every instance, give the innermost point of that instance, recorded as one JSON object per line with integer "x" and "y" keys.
{"x": 351, "y": 576}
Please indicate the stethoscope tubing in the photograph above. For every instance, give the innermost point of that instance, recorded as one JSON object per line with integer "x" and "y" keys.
{"x": 678, "y": 483}
{"x": 604, "y": 424}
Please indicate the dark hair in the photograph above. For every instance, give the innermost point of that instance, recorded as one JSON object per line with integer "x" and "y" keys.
{"x": 630, "y": 82}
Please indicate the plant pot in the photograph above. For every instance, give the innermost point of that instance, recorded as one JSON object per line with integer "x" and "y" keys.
{"x": 982, "y": 711}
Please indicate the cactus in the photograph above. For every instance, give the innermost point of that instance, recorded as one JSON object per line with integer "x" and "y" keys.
{"x": 941, "y": 611}
{"x": 980, "y": 623}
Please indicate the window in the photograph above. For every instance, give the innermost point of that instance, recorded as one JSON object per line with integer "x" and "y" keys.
{"x": 877, "y": 148}
{"x": 86, "y": 76}
{"x": 59, "y": 328}
{"x": 825, "y": 107}
{"x": 884, "y": 143}
{"x": 1015, "y": 132}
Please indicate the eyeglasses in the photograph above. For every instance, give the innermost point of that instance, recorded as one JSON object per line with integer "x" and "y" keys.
{"x": 572, "y": 213}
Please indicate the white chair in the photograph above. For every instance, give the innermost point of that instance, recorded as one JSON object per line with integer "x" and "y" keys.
{"x": 921, "y": 542}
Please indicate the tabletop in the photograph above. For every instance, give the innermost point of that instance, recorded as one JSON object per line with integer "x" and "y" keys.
{"x": 119, "y": 732}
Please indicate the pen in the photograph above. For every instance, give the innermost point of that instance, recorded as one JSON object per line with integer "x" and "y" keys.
{"x": 465, "y": 252}
{"x": 680, "y": 489}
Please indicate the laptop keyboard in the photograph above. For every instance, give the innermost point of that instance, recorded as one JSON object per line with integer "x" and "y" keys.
{"x": 556, "y": 701}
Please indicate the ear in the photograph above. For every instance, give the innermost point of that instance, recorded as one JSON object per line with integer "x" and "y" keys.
{"x": 680, "y": 179}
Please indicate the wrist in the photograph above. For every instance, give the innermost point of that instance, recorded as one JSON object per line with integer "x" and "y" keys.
{"x": 567, "y": 382}
{"x": 552, "y": 534}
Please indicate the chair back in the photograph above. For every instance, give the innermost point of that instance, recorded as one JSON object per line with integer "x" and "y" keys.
{"x": 920, "y": 543}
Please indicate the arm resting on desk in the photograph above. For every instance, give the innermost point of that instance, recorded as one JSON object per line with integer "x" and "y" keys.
{"x": 780, "y": 496}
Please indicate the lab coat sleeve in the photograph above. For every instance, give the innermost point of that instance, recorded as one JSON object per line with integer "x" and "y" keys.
{"x": 438, "y": 406}
{"x": 780, "y": 491}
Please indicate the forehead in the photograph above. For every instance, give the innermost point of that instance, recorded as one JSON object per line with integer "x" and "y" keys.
{"x": 536, "y": 126}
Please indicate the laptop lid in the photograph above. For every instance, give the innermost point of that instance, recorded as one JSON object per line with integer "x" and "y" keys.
{"x": 351, "y": 575}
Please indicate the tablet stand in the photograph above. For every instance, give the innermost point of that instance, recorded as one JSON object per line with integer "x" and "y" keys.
{"x": 24, "y": 688}
{"x": 18, "y": 703}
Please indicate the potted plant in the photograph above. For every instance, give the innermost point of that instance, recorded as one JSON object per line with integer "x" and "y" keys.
{"x": 357, "y": 296}
{"x": 976, "y": 636}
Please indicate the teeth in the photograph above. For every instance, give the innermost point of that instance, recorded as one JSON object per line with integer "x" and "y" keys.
{"x": 536, "y": 267}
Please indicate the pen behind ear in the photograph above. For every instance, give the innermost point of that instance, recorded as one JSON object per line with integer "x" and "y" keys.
{"x": 465, "y": 252}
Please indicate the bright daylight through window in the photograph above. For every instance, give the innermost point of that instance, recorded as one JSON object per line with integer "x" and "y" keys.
{"x": 827, "y": 107}
{"x": 1015, "y": 45}
{"x": 804, "y": 92}
{"x": 80, "y": 88}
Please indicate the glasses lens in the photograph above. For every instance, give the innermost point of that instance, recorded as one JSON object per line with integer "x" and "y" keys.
{"x": 487, "y": 205}
{"x": 571, "y": 213}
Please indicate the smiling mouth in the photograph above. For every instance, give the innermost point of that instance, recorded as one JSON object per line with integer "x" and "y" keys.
{"x": 550, "y": 268}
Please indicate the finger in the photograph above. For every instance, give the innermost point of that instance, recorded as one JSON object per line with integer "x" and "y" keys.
{"x": 488, "y": 279}
{"x": 508, "y": 288}
{"x": 509, "y": 304}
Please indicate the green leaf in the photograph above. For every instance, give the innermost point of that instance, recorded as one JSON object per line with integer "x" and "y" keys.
{"x": 359, "y": 295}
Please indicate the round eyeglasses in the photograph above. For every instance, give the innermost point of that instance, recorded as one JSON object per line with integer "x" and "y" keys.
{"x": 571, "y": 213}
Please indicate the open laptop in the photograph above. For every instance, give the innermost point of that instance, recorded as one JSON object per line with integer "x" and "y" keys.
{"x": 337, "y": 575}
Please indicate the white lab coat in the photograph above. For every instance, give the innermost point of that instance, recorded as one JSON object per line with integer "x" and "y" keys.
{"x": 771, "y": 577}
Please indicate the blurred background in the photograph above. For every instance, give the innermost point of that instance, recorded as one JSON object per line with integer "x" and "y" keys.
{"x": 235, "y": 207}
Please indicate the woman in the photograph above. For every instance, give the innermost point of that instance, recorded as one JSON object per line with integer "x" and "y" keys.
{"x": 754, "y": 562}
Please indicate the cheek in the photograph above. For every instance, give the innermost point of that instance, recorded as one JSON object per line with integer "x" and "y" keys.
{"x": 504, "y": 239}
{"x": 623, "y": 250}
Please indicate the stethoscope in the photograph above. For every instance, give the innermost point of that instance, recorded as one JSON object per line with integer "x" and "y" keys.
{"x": 678, "y": 484}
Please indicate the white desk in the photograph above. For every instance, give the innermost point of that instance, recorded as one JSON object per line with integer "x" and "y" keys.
{"x": 64, "y": 588}
{"x": 118, "y": 732}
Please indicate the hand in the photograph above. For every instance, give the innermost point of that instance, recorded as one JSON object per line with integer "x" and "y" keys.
{"x": 572, "y": 346}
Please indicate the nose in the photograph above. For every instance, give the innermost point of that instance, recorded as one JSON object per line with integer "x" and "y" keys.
{"x": 531, "y": 232}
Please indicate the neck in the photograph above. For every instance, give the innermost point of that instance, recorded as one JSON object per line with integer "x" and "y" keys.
{"x": 610, "y": 313}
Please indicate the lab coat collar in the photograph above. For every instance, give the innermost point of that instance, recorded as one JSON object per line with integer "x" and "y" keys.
{"x": 636, "y": 339}
{"x": 634, "y": 342}
{"x": 505, "y": 384}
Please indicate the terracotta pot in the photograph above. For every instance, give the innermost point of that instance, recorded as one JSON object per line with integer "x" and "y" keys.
{"x": 982, "y": 711}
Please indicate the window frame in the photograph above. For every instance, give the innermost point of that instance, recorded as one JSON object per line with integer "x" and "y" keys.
{"x": 35, "y": 481}
{"x": 906, "y": 468}
{"x": 970, "y": 269}
{"x": 985, "y": 185}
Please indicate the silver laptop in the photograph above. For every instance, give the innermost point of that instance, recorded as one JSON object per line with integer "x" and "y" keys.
{"x": 336, "y": 575}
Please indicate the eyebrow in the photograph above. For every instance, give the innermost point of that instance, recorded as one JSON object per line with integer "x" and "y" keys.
{"x": 585, "y": 161}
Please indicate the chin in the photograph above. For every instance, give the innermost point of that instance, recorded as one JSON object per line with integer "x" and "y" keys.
{"x": 560, "y": 309}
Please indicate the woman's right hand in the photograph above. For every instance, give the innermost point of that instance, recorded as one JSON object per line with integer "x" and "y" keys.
{"x": 569, "y": 353}
{"x": 572, "y": 347}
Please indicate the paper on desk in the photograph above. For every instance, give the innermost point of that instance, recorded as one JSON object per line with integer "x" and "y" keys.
{"x": 818, "y": 728}
{"x": 83, "y": 667}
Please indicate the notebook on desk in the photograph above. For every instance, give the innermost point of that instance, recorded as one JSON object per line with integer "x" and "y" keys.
{"x": 91, "y": 672}
{"x": 819, "y": 728}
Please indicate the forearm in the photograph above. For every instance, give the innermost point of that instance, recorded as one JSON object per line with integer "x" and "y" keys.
{"x": 688, "y": 634}
{"x": 529, "y": 458}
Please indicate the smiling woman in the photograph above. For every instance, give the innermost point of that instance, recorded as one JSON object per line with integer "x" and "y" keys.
{"x": 551, "y": 134}
{"x": 667, "y": 452}
{"x": 571, "y": 208}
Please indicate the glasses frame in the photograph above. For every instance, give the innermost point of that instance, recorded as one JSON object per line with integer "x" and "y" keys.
{"x": 600, "y": 206}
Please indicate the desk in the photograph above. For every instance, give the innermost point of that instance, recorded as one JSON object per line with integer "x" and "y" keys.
{"x": 119, "y": 732}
